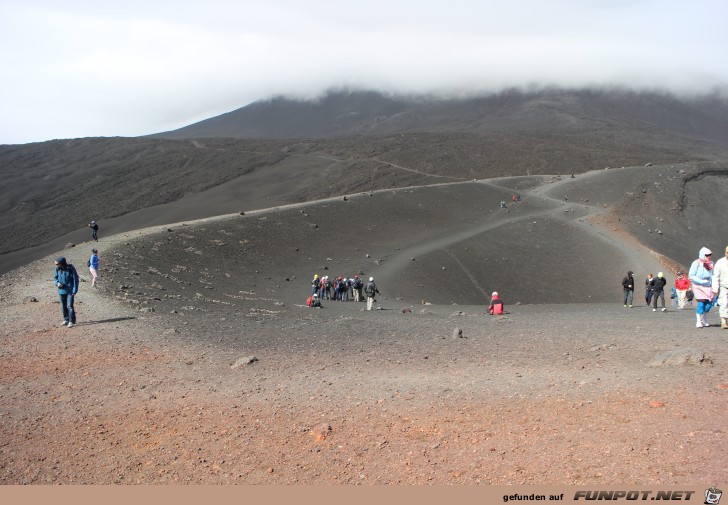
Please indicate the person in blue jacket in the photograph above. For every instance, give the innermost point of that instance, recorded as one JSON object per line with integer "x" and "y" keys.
{"x": 66, "y": 280}
{"x": 93, "y": 266}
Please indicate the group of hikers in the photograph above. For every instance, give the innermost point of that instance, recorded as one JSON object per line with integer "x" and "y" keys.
{"x": 342, "y": 289}
{"x": 706, "y": 283}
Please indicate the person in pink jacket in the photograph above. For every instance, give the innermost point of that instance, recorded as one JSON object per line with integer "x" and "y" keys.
{"x": 682, "y": 284}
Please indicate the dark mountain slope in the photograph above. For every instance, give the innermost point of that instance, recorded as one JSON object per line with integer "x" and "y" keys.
{"x": 548, "y": 112}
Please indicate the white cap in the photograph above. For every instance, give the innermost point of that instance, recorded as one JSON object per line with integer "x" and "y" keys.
{"x": 495, "y": 293}
{"x": 371, "y": 279}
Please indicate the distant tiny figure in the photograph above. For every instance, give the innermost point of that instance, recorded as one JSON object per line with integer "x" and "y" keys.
{"x": 503, "y": 204}
{"x": 371, "y": 291}
{"x": 94, "y": 230}
{"x": 65, "y": 278}
{"x": 514, "y": 198}
{"x": 720, "y": 288}
{"x": 314, "y": 301}
{"x": 658, "y": 291}
{"x": 701, "y": 278}
{"x": 93, "y": 267}
{"x": 628, "y": 288}
{"x": 496, "y": 305}
{"x": 681, "y": 285}
{"x": 648, "y": 289}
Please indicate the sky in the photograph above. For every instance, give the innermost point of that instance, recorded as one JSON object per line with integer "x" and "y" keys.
{"x": 88, "y": 68}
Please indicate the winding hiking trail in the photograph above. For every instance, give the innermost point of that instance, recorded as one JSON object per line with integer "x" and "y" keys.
{"x": 592, "y": 219}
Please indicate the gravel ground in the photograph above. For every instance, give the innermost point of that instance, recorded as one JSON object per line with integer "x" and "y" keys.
{"x": 546, "y": 394}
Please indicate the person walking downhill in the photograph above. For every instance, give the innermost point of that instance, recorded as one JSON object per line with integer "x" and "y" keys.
{"x": 371, "y": 291}
{"x": 681, "y": 284}
{"x": 658, "y": 291}
{"x": 94, "y": 230}
{"x": 648, "y": 289}
{"x": 93, "y": 267}
{"x": 720, "y": 288}
{"x": 701, "y": 278}
{"x": 65, "y": 279}
{"x": 628, "y": 287}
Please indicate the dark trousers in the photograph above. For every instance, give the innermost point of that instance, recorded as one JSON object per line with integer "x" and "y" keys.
{"x": 648, "y": 296}
{"x": 67, "y": 306}
{"x": 661, "y": 296}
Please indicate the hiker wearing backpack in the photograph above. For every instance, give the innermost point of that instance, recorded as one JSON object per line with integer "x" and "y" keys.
{"x": 315, "y": 285}
{"x": 314, "y": 302}
{"x": 326, "y": 290}
{"x": 65, "y": 278}
{"x": 357, "y": 286}
{"x": 371, "y": 291}
{"x": 342, "y": 287}
{"x": 496, "y": 306}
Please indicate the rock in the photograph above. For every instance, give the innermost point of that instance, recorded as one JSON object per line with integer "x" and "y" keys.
{"x": 69, "y": 245}
{"x": 30, "y": 299}
{"x": 345, "y": 198}
{"x": 321, "y": 431}
{"x": 425, "y": 312}
{"x": 457, "y": 333}
{"x": 242, "y": 213}
{"x": 313, "y": 225}
{"x": 458, "y": 313}
{"x": 406, "y": 310}
{"x": 688, "y": 356}
{"x": 147, "y": 310}
{"x": 244, "y": 362}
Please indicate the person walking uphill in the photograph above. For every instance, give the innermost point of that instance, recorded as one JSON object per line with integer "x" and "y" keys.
{"x": 371, "y": 291}
{"x": 658, "y": 291}
{"x": 720, "y": 287}
{"x": 93, "y": 267}
{"x": 65, "y": 279}
{"x": 628, "y": 287}
{"x": 701, "y": 277}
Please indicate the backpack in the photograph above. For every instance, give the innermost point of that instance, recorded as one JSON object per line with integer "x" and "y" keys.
{"x": 689, "y": 295}
{"x": 327, "y": 283}
{"x": 498, "y": 308}
{"x": 342, "y": 285}
{"x": 316, "y": 283}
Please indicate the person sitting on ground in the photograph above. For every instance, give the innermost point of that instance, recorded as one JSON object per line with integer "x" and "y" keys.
{"x": 496, "y": 305}
{"x": 314, "y": 301}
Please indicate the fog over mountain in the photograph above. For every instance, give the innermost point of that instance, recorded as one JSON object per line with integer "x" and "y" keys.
{"x": 88, "y": 69}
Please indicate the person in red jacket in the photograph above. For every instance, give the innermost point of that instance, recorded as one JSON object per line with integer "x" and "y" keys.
{"x": 496, "y": 305}
{"x": 682, "y": 284}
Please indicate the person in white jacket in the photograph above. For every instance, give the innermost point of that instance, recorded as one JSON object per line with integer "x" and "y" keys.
{"x": 720, "y": 287}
